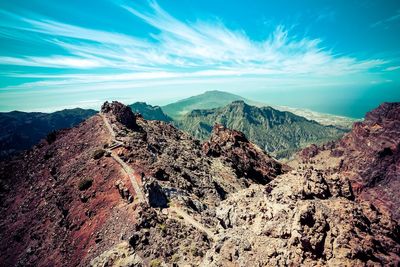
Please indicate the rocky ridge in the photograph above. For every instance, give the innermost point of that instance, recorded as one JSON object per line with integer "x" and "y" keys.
{"x": 68, "y": 201}
{"x": 22, "y": 130}
{"x": 277, "y": 132}
{"x": 369, "y": 156}
{"x": 302, "y": 218}
{"x": 72, "y": 202}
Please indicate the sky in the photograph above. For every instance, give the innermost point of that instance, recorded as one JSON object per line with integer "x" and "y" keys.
{"x": 340, "y": 57}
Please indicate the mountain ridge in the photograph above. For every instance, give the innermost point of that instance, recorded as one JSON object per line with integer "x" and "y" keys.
{"x": 21, "y": 130}
{"x": 277, "y": 132}
{"x": 369, "y": 155}
{"x": 216, "y": 98}
{"x": 69, "y": 201}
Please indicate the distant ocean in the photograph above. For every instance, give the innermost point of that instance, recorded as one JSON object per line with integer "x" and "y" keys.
{"x": 349, "y": 102}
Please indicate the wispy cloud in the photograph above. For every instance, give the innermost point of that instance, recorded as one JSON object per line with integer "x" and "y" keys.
{"x": 392, "y": 68}
{"x": 387, "y": 21}
{"x": 179, "y": 50}
{"x": 51, "y": 62}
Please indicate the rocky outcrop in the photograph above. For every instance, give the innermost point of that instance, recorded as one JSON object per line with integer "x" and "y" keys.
{"x": 154, "y": 193}
{"x": 369, "y": 156}
{"x": 245, "y": 158}
{"x": 300, "y": 219}
{"x": 122, "y": 113}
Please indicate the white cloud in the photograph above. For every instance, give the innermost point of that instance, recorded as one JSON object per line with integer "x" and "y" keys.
{"x": 387, "y": 21}
{"x": 180, "y": 50}
{"x": 392, "y": 68}
{"x": 53, "y": 62}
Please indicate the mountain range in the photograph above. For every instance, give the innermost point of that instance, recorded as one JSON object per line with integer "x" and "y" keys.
{"x": 21, "y": 130}
{"x": 217, "y": 99}
{"x": 279, "y": 133}
{"x": 207, "y": 100}
{"x": 120, "y": 190}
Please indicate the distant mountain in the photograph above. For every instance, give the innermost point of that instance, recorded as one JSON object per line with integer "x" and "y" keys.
{"x": 150, "y": 112}
{"x": 216, "y": 99}
{"x": 280, "y": 133}
{"x": 207, "y": 100}
{"x": 21, "y": 130}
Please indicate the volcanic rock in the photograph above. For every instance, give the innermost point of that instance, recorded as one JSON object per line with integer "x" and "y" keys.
{"x": 122, "y": 113}
{"x": 244, "y": 157}
{"x": 369, "y": 156}
{"x": 275, "y": 225}
{"x": 222, "y": 203}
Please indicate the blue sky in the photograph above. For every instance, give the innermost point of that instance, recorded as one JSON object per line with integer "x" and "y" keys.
{"x": 61, "y": 54}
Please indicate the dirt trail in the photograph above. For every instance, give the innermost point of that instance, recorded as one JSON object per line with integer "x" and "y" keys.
{"x": 189, "y": 219}
{"x": 133, "y": 176}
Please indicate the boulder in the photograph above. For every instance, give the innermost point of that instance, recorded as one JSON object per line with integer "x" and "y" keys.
{"x": 122, "y": 113}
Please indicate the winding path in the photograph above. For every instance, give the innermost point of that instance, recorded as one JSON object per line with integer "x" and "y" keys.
{"x": 190, "y": 220}
{"x": 134, "y": 177}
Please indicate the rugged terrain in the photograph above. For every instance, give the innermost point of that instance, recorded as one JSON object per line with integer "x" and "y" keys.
{"x": 22, "y": 130}
{"x": 277, "y": 132}
{"x": 369, "y": 156}
{"x": 119, "y": 190}
{"x": 72, "y": 198}
{"x": 219, "y": 99}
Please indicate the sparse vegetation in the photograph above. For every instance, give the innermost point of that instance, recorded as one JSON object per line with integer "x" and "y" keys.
{"x": 85, "y": 184}
{"x": 195, "y": 251}
{"x": 98, "y": 153}
{"x": 51, "y": 137}
{"x": 155, "y": 263}
{"x": 175, "y": 258}
{"x": 162, "y": 227}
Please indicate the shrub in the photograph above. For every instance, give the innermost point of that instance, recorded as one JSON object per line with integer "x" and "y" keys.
{"x": 175, "y": 258}
{"x": 98, "y": 153}
{"x": 85, "y": 183}
{"x": 51, "y": 137}
{"x": 155, "y": 263}
{"x": 162, "y": 227}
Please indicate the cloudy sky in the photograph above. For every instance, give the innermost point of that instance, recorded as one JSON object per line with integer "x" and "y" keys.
{"x": 60, "y": 54}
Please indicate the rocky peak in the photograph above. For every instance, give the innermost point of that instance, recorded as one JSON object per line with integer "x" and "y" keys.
{"x": 122, "y": 113}
{"x": 248, "y": 160}
{"x": 239, "y": 103}
{"x": 222, "y": 135}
